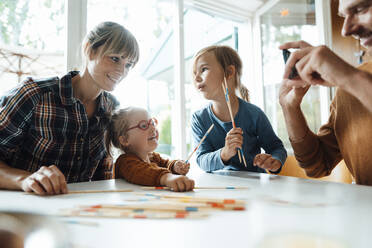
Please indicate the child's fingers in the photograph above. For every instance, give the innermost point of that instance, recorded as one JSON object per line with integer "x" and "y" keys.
{"x": 234, "y": 136}
{"x": 260, "y": 159}
{"x": 180, "y": 185}
{"x": 185, "y": 170}
{"x": 189, "y": 184}
{"x": 192, "y": 184}
{"x": 267, "y": 164}
{"x": 236, "y": 130}
{"x": 275, "y": 165}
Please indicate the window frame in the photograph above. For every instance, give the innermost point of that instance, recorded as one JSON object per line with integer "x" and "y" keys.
{"x": 324, "y": 26}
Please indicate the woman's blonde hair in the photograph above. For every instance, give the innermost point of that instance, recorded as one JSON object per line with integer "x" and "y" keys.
{"x": 227, "y": 56}
{"x": 112, "y": 38}
{"x": 118, "y": 126}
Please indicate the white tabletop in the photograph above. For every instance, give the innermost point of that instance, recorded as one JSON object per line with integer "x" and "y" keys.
{"x": 277, "y": 208}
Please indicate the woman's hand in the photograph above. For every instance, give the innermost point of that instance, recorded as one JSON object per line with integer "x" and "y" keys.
{"x": 180, "y": 167}
{"x": 177, "y": 182}
{"x": 45, "y": 181}
{"x": 267, "y": 162}
{"x": 233, "y": 141}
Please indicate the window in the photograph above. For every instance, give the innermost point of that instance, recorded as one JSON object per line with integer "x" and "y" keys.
{"x": 30, "y": 40}
{"x": 286, "y": 21}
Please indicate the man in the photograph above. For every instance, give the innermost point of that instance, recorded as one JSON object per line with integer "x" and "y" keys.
{"x": 348, "y": 133}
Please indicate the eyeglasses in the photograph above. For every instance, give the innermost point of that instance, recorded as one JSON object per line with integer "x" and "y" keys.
{"x": 144, "y": 125}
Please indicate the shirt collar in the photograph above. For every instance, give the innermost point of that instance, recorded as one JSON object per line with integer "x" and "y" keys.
{"x": 67, "y": 95}
{"x": 65, "y": 88}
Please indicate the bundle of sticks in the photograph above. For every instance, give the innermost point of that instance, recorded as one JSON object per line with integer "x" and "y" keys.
{"x": 163, "y": 207}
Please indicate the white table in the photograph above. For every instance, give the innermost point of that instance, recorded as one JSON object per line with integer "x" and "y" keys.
{"x": 329, "y": 211}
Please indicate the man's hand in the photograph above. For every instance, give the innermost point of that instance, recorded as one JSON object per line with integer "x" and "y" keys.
{"x": 316, "y": 66}
{"x": 45, "y": 181}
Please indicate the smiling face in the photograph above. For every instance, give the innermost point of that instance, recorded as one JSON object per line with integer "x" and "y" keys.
{"x": 358, "y": 20}
{"x": 109, "y": 70}
{"x": 208, "y": 76}
{"x": 138, "y": 140}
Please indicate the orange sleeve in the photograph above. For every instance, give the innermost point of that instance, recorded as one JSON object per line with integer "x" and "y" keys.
{"x": 165, "y": 163}
{"x": 134, "y": 170}
{"x": 319, "y": 153}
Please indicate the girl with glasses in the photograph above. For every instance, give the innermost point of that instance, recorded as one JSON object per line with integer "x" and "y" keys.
{"x": 135, "y": 134}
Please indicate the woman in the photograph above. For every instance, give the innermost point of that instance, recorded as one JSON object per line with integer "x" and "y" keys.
{"x": 52, "y": 131}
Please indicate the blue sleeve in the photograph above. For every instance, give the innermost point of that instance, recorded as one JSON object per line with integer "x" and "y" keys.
{"x": 207, "y": 157}
{"x": 16, "y": 111}
{"x": 269, "y": 141}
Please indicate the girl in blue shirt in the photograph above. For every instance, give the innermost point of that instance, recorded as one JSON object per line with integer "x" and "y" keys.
{"x": 253, "y": 130}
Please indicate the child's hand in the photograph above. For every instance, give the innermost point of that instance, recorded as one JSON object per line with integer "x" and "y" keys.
{"x": 181, "y": 167}
{"x": 266, "y": 161}
{"x": 177, "y": 182}
{"x": 233, "y": 140}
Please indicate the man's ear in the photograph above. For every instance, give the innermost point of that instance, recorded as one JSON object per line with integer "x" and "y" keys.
{"x": 230, "y": 71}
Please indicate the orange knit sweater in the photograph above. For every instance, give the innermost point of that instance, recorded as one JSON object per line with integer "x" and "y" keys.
{"x": 347, "y": 135}
{"x": 135, "y": 170}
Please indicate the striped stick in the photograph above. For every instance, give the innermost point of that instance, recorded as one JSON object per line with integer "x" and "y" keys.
{"x": 86, "y": 192}
{"x": 201, "y": 141}
{"x": 227, "y": 98}
{"x": 195, "y": 199}
{"x": 168, "y": 188}
{"x": 132, "y": 214}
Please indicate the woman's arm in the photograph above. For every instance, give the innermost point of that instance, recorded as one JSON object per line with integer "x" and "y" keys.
{"x": 15, "y": 117}
{"x": 45, "y": 181}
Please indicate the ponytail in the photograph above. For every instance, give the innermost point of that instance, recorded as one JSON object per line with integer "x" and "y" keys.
{"x": 244, "y": 92}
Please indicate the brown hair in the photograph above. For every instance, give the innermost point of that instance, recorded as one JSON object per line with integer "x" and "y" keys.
{"x": 117, "y": 127}
{"x": 227, "y": 56}
{"x": 113, "y": 38}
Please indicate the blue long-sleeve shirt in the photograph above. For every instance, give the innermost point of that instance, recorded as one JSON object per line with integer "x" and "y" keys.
{"x": 257, "y": 134}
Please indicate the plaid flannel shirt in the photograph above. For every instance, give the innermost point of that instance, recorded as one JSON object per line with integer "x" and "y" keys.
{"x": 42, "y": 124}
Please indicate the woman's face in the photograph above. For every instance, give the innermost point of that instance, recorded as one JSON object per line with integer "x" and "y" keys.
{"x": 109, "y": 70}
{"x": 140, "y": 140}
{"x": 208, "y": 76}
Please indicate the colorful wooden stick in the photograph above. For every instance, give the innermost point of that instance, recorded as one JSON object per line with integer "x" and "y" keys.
{"x": 186, "y": 198}
{"x": 162, "y": 187}
{"x": 86, "y": 191}
{"x": 201, "y": 141}
{"x": 227, "y": 98}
